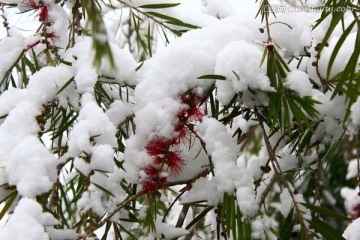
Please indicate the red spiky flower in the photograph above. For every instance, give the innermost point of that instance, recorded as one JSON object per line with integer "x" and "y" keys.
{"x": 44, "y": 14}
{"x": 157, "y": 146}
{"x": 151, "y": 171}
{"x": 51, "y": 36}
{"x": 163, "y": 150}
{"x": 148, "y": 186}
{"x": 175, "y": 163}
{"x": 32, "y": 4}
{"x": 30, "y": 46}
{"x": 192, "y": 111}
{"x": 182, "y": 134}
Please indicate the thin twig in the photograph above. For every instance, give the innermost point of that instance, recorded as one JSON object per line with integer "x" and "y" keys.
{"x": 127, "y": 119}
{"x": 278, "y": 171}
{"x": 267, "y": 189}
{"x": 182, "y": 216}
{"x": 171, "y": 205}
{"x": 198, "y": 217}
{"x": 118, "y": 208}
{"x": 5, "y": 22}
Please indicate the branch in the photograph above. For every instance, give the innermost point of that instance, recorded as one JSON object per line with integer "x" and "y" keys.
{"x": 198, "y": 217}
{"x": 280, "y": 175}
{"x": 268, "y": 189}
{"x": 118, "y": 208}
{"x": 127, "y": 119}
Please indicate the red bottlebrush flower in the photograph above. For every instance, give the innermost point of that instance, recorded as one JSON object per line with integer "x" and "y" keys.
{"x": 163, "y": 180}
{"x": 195, "y": 114}
{"x": 51, "y": 36}
{"x": 44, "y": 14}
{"x": 270, "y": 47}
{"x": 182, "y": 132}
{"x": 158, "y": 160}
{"x": 32, "y": 4}
{"x": 30, "y": 46}
{"x": 192, "y": 112}
{"x": 175, "y": 163}
{"x": 148, "y": 186}
{"x": 151, "y": 171}
{"x": 157, "y": 147}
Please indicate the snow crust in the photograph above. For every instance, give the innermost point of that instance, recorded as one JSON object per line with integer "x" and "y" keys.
{"x": 352, "y": 231}
{"x": 10, "y": 50}
{"x": 227, "y": 45}
{"x": 28, "y": 217}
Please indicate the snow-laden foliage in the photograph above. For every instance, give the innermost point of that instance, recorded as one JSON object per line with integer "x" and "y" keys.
{"x": 159, "y": 119}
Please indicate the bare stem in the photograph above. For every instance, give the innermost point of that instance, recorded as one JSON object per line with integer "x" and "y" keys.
{"x": 280, "y": 174}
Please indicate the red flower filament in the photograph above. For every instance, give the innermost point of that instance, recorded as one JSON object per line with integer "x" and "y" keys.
{"x": 32, "y": 4}
{"x": 175, "y": 163}
{"x": 162, "y": 150}
{"x": 151, "y": 171}
{"x": 148, "y": 186}
{"x": 43, "y": 14}
{"x": 30, "y": 46}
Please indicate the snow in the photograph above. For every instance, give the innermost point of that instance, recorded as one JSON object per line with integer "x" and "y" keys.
{"x": 10, "y": 50}
{"x": 243, "y": 124}
{"x": 352, "y": 169}
{"x": 246, "y": 201}
{"x": 61, "y": 234}
{"x": 92, "y": 199}
{"x": 93, "y": 125}
{"x": 203, "y": 189}
{"x": 81, "y": 56}
{"x": 28, "y": 217}
{"x": 59, "y": 26}
{"x": 228, "y": 175}
{"x": 299, "y": 82}
{"x": 352, "y": 231}
{"x": 292, "y": 31}
{"x": 287, "y": 160}
{"x": 102, "y": 158}
{"x": 331, "y": 111}
{"x": 351, "y": 198}
{"x": 31, "y": 167}
{"x": 342, "y": 57}
{"x": 239, "y": 62}
{"x": 261, "y": 228}
{"x": 355, "y": 112}
{"x": 166, "y": 231}
{"x": 218, "y": 8}
{"x": 21, "y": 118}
{"x": 229, "y": 44}
{"x": 286, "y": 203}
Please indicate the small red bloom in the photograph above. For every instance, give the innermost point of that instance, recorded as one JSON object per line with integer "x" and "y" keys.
{"x": 148, "y": 186}
{"x": 151, "y": 171}
{"x": 44, "y": 14}
{"x": 157, "y": 147}
{"x": 163, "y": 180}
{"x": 192, "y": 112}
{"x": 195, "y": 114}
{"x": 175, "y": 163}
{"x": 30, "y": 46}
{"x": 270, "y": 47}
{"x": 158, "y": 159}
{"x": 51, "y": 36}
{"x": 32, "y": 4}
{"x": 182, "y": 134}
